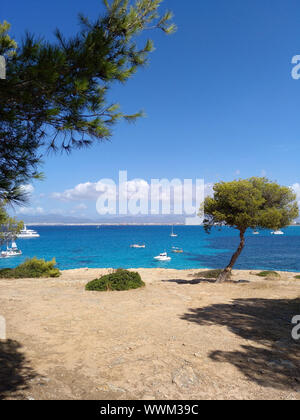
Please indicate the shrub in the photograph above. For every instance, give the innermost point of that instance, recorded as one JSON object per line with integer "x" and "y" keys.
{"x": 33, "y": 268}
{"x": 119, "y": 280}
{"x": 268, "y": 274}
{"x": 297, "y": 277}
{"x": 210, "y": 274}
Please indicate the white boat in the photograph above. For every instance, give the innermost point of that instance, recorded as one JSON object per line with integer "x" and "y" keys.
{"x": 4, "y": 254}
{"x": 176, "y": 250}
{"x": 28, "y": 233}
{"x": 163, "y": 257}
{"x": 277, "y": 232}
{"x": 173, "y": 235}
{"x": 255, "y": 232}
{"x": 11, "y": 252}
{"x": 137, "y": 246}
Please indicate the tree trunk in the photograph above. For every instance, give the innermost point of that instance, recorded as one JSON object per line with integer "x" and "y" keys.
{"x": 224, "y": 276}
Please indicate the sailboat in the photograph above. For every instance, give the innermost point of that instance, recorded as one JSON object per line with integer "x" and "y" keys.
{"x": 173, "y": 235}
{"x": 11, "y": 252}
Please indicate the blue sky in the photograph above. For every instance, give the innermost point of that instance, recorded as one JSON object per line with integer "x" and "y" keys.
{"x": 219, "y": 98}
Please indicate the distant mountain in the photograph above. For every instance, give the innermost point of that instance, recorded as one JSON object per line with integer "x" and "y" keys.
{"x": 53, "y": 219}
{"x": 60, "y": 219}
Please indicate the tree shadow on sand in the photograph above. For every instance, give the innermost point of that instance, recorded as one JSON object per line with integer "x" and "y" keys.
{"x": 195, "y": 281}
{"x": 15, "y": 373}
{"x": 271, "y": 358}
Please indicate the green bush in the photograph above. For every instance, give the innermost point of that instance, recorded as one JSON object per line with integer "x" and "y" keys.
{"x": 119, "y": 280}
{"x": 210, "y": 274}
{"x": 297, "y": 277}
{"x": 268, "y": 274}
{"x": 33, "y": 268}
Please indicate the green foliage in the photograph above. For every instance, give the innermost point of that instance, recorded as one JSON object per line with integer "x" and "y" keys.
{"x": 9, "y": 227}
{"x": 32, "y": 268}
{"x": 119, "y": 280}
{"x": 268, "y": 274}
{"x": 7, "y": 44}
{"x": 250, "y": 203}
{"x": 210, "y": 274}
{"x": 297, "y": 277}
{"x": 55, "y": 94}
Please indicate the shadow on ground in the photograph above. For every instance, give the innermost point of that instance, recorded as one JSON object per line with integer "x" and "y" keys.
{"x": 195, "y": 281}
{"x": 271, "y": 358}
{"x": 199, "y": 281}
{"x": 15, "y": 372}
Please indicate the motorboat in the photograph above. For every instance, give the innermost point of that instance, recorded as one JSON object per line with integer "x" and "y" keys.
{"x": 163, "y": 257}
{"x": 277, "y": 232}
{"x": 136, "y": 246}
{"x": 255, "y": 232}
{"x": 176, "y": 250}
{"x": 28, "y": 233}
{"x": 11, "y": 252}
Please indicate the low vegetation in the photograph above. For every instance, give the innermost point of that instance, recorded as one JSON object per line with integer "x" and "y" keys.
{"x": 297, "y": 277}
{"x": 210, "y": 274}
{"x": 268, "y": 274}
{"x": 32, "y": 268}
{"x": 118, "y": 281}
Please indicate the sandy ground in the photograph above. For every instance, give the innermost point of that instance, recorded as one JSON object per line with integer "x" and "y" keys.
{"x": 180, "y": 337}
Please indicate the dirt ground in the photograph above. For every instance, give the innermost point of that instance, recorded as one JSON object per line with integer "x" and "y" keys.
{"x": 180, "y": 337}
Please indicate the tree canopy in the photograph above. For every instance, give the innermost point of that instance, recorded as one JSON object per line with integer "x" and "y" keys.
{"x": 9, "y": 227}
{"x": 250, "y": 203}
{"x": 55, "y": 94}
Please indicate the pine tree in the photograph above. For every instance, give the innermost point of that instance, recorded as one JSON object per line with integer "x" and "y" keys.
{"x": 55, "y": 94}
{"x": 9, "y": 227}
{"x": 250, "y": 203}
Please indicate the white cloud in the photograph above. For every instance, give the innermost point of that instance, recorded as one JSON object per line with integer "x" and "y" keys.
{"x": 86, "y": 191}
{"x": 28, "y": 188}
{"x": 208, "y": 189}
{"x": 81, "y": 206}
{"x": 296, "y": 189}
{"x": 30, "y": 210}
{"x": 92, "y": 190}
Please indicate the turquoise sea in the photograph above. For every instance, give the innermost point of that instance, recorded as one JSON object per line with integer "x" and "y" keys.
{"x": 109, "y": 246}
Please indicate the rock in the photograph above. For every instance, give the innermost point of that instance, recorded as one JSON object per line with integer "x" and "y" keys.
{"x": 148, "y": 397}
{"x": 185, "y": 378}
{"x": 116, "y": 388}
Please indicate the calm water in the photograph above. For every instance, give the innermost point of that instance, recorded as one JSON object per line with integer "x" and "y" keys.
{"x": 109, "y": 246}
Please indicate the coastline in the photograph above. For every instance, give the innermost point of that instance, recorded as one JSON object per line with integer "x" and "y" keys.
{"x": 107, "y": 224}
{"x": 118, "y": 224}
